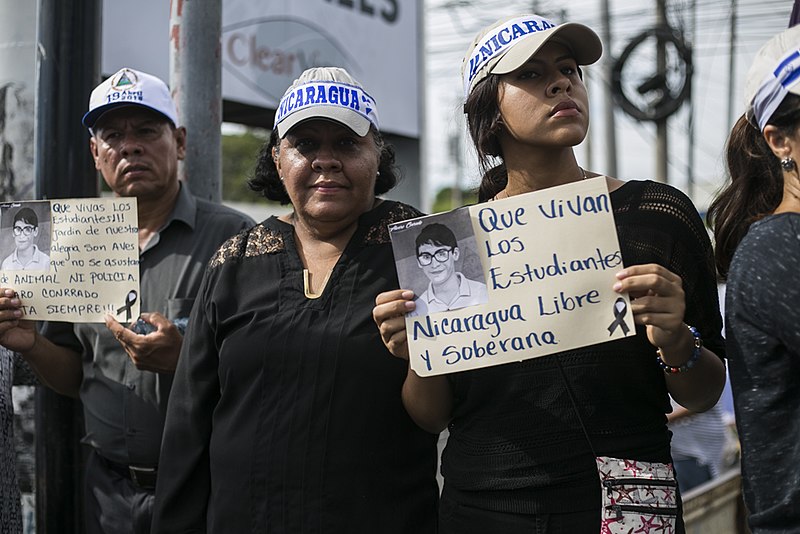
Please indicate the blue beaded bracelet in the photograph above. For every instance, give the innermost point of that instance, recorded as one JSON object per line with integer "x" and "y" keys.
{"x": 698, "y": 345}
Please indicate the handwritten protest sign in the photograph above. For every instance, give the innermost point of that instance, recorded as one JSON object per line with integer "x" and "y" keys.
{"x": 543, "y": 282}
{"x": 72, "y": 260}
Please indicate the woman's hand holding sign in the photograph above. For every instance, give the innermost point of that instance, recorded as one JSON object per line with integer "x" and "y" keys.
{"x": 389, "y": 314}
{"x": 657, "y": 301}
{"x": 15, "y": 334}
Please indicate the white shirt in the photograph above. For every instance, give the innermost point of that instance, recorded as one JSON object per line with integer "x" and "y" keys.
{"x": 39, "y": 262}
{"x": 469, "y": 293}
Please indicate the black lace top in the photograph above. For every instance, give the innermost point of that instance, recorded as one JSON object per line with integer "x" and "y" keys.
{"x": 285, "y": 414}
{"x": 516, "y": 443}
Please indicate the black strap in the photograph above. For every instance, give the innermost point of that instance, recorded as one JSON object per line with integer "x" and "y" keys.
{"x": 575, "y": 405}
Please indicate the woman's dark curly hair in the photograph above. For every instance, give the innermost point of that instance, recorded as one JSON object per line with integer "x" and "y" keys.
{"x": 268, "y": 183}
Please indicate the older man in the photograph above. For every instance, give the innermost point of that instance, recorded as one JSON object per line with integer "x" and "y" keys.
{"x": 122, "y": 377}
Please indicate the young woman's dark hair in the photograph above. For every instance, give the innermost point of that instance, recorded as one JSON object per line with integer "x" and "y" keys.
{"x": 756, "y": 182}
{"x": 267, "y": 182}
{"x": 484, "y": 125}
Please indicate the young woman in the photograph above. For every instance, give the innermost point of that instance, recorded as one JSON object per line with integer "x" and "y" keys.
{"x": 756, "y": 221}
{"x": 531, "y": 441}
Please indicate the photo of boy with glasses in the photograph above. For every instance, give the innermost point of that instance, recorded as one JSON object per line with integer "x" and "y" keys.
{"x": 26, "y": 255}
{"x": 448, "y": 289}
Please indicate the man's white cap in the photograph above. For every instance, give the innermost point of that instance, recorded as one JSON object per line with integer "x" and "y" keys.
{"x": 129, "y": 87}
{"x": 508, "y": 43}
{"x": 326, "y": 93}
{"x": 775, "y": 72}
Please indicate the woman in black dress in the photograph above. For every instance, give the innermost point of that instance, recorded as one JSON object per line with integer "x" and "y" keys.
{"x": 285, "y": 415}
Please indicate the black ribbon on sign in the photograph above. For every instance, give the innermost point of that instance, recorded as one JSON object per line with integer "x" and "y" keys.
{"x": 620, "y": 309}
{"x": 130, "y": 299}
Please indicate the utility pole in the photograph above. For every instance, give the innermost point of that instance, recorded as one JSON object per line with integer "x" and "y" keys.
{"x": 731, "y": 66}
{"x": 196, "y": 82}
{"x": 608, "y": 66}
{"x": 456, "y": 199}
{"x": 67, "y": 67}
{"x": 661, "y": 124}
{"x": 17, "y": 96}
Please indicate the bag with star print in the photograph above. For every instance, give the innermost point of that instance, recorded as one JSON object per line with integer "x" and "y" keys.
{"x": 637, "y": 496}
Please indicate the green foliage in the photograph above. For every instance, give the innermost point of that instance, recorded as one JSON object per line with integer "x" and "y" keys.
{"x": 239, "y": 154}
{"x": 444, "y": 199}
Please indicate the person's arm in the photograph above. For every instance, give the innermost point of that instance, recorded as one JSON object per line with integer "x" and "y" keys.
{"x": 678, "y": 413}
{"x": 57, "y": 367}
{"x": 658, "y": 302}
{"x": 428, "y": 400}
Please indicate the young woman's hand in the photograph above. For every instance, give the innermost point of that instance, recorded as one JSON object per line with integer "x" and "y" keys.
{"x": 389, "y": 314}
{"x": 657, "y": 301}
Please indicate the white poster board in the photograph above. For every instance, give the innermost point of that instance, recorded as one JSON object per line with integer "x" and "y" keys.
{"x": 548, "y": 261}
{"x": 85, "y": 259}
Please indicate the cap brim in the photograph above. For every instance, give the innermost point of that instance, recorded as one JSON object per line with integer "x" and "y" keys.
{"x": 91, "y": 117}
{"x": 359, "y": 124}
{"x": 584, "y": 44}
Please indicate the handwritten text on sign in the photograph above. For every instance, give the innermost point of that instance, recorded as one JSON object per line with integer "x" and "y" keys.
{"x": 549, "y": 260}
{"x": 93, "y": 261}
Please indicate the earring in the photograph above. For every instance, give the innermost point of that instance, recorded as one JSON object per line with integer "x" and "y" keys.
{"x": 788, "y": 164}
{"x": 282, "y": 178}
{"x": 378, "y": 175}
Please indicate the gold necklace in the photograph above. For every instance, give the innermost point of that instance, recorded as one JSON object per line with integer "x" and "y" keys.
{"x": 307, "y": 291}
{"x": 307, "y": 284}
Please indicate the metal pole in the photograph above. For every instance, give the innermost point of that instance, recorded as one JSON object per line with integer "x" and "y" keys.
{"x": 196, "y": 82}
{"x": 608, "y": 66}
{"x": 731, "y": 66}
{"x": 662, "y": 166}
{"x": 17, "y": 96}
{"x": 67, "y": 68}
{"x": 456, "y": 199}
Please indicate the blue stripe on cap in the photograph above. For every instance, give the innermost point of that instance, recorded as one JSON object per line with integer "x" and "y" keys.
{"x": 326, "y": 93}
{"x": 499, "y": 40}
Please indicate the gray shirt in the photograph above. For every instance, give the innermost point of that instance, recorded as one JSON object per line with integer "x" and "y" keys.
{"x": 124, "y": 407}
{"x": 763, "y": 336}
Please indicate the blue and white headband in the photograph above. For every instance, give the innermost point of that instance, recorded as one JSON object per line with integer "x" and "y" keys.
{"x": 497, "y": 42}
{"x": 342, "y": 102}
{"x": 774, "y": 88}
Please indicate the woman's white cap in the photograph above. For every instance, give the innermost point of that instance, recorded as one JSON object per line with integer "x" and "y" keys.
{"x": 508, "y": 43}
{"x": 775, "y": 73}
{"x": 326, "y": 93}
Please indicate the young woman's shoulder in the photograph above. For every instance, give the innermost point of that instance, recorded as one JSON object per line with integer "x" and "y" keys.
{"x": 649, "y": 195}
{"x": 774, "y": 233}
